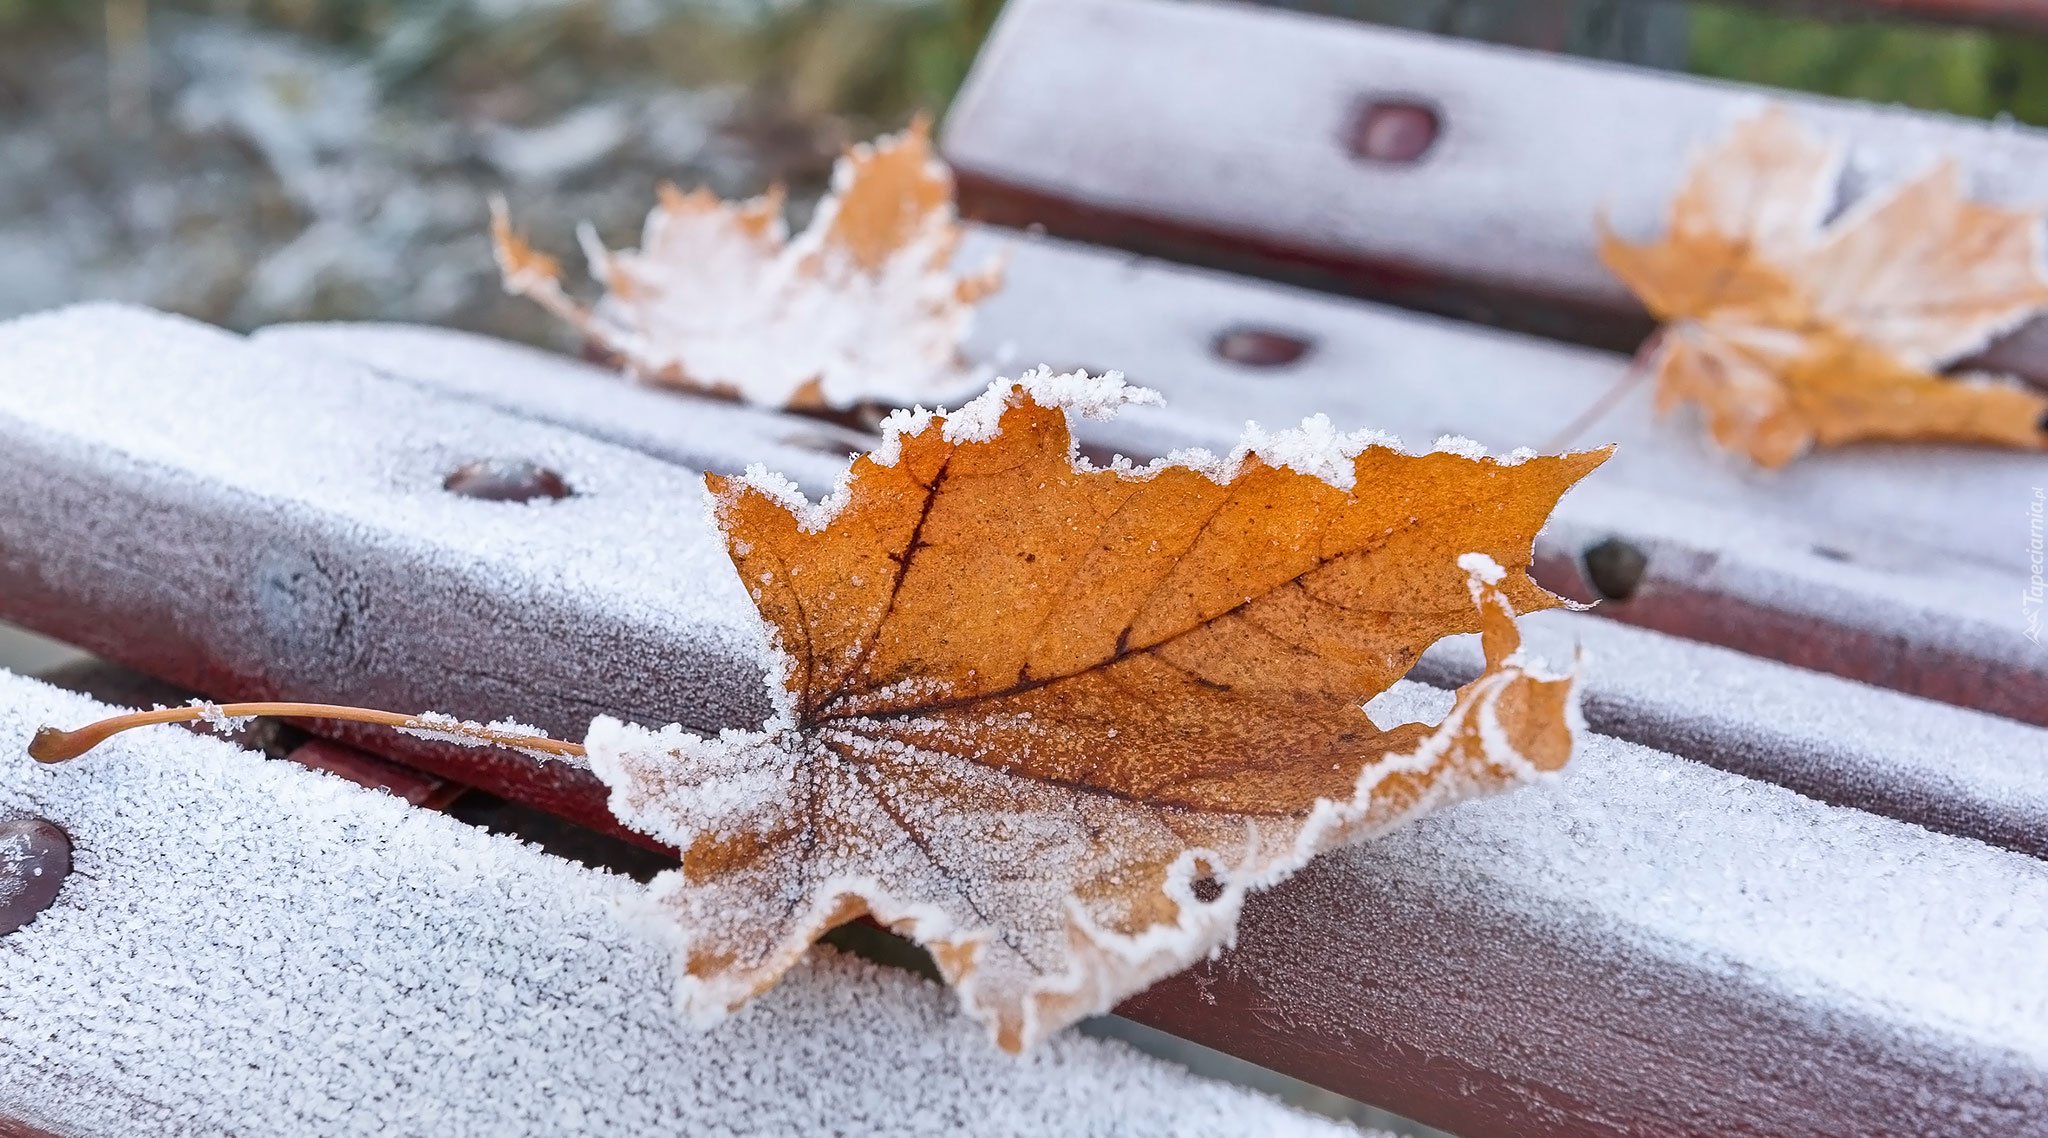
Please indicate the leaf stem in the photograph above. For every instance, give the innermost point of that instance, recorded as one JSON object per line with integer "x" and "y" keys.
{"x": 1638, "y": 370}
{"x": 52, "y": 745}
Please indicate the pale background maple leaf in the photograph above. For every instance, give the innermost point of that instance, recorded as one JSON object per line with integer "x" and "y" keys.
{"x": 861, "y": 307}
{"x": 1791, "y": 333}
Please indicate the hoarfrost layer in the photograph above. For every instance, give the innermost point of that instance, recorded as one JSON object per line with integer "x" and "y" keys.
{"x": 250, "y": 947}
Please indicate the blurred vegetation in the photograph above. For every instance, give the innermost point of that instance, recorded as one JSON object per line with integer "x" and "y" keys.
{"x": 867, "y": 59}
{"x": 876, "y": 60}
{"x": 1966, "y": 71}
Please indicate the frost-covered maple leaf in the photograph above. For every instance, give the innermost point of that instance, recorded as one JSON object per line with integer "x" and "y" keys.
{"x": 862, "y": 307}
{"x": 1790, "y": 335}
{"x": 1054, "y": 722}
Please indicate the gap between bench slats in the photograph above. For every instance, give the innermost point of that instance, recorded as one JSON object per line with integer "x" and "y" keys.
{"x": 1216, "y": 133}
{"x": 159, "y": 473}
{"x": 1946, "y": 768}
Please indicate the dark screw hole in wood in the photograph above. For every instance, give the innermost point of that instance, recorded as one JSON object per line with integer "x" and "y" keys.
{"x": 1260, "y": 347}
{"x": 1396, "y": 132}
{"x": 505, "y": 480}
{"x": 35, "y": 858}
{"x": 1615, "y": 568}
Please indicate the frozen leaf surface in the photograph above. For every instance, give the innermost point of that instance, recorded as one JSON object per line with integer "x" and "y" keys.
{"x": 1790, "y": 334}
{"x": 860, "y": 307}
{"x": 1054, "y": 722}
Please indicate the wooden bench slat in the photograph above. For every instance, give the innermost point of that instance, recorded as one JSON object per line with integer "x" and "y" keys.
{"x": 258, "y": 525}
{"x": 547, "y": 386}
{"x": 1953, "y": 770}
{"x": 1608, "y": 916}
{"x": 1893, "y": 763}
{"x": 1949, "y": 769}
{"x": 1648, "y": 946}
{"x": 1208, "y": 131}
{"x": 250, "y": 948}
{"x": 1888, "y": 565}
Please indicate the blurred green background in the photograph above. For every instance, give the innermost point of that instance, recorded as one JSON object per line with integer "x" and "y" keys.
{"x": 251, "y": 161}
{"x": 882, "y": 57}
{"x": 1967, "y": 72}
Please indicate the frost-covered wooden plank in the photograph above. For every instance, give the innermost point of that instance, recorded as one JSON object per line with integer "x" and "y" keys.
{"x": 1890, "y": 565}
{"x": 250, "y": 948}
{"x": 1947, "y": 768}
{"x": 1198, "y": 128}
{"x": 1422, "y": 377}
{"x": 253, "y": 524}
{"x": 1649, "y": 946}
{"x": 703, "y": 434}
{"x": 1680, "y": 947}
{"x": 1955, "y": 770}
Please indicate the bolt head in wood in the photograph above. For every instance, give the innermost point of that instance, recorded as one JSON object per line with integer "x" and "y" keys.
{"x": 35, "y": 858}
{"x": 1615, "y": 568}
{"x": 1260, "y": 347}
{"x": 506, "y": 480}
{"x": 1394, "y": 131}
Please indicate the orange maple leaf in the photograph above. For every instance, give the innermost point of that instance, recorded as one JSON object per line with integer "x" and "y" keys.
{"x": 860, "y": 307}
{"x": 1791, "y": 335}
{"x": 1054, "y": 722}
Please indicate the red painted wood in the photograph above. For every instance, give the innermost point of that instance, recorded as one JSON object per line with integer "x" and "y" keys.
{"x": 1491, "y": 1023}
{"x": 376, "y": 772}
{"x": 1298, "y": 259}
{"x": 1681, "y": 597}
{"x": 564, "y": 789}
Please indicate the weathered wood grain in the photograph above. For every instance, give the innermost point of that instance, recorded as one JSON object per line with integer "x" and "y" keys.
{"x": 1219, "y": 133}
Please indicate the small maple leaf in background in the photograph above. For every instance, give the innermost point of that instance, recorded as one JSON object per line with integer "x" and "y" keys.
{"x": 1054, "y": 722}
{"x": 861, "y": 307}
{"x": 1790, "y": 335}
